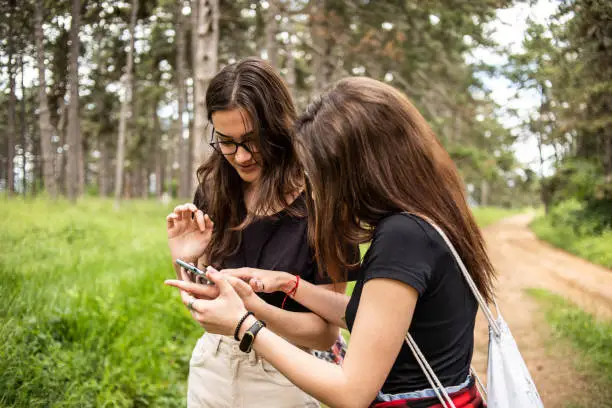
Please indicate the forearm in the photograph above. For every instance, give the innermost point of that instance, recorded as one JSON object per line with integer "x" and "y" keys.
{"x": 328, "y": 304}
{"x": 301, "y": 328}
{"x": 330, "y": 385}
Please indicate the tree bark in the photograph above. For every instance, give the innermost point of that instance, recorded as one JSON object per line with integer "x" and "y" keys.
{"x": 44, "y": 121}
{"x": 205, "y": 67}
{"x": 271, "y": 31}
{"x": 183, "y": 116}
{"x": 24, "y": 142}
{"x": 61, "y": 162}
{"x": 484, "y": 193}
{"x": 74, "y": 126}
{"x": 125, "y": 107}
{"x": 321, "y": 44}
{"x": 10, "y": 170}
{"x": 104, "y": 171}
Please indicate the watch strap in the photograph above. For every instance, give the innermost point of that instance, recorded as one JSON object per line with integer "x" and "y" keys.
{"x": 246, "y": 344}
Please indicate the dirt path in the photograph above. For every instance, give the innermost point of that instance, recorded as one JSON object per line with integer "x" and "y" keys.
{"x": 523, "y": 262}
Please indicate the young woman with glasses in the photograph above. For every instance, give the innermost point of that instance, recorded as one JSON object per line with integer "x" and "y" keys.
{"x": 249, "y": 214}
{"x": 376, "y": 172}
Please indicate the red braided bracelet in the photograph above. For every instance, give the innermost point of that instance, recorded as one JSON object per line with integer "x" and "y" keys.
{"x": 292, "y": 291}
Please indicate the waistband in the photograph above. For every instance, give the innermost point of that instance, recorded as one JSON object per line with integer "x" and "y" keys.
{"x": 426, "y": 393}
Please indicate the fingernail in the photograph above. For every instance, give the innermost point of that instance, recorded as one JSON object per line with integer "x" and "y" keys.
{"x": 211, "y": 269}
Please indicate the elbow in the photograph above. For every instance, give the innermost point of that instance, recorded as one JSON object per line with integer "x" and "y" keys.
{"x": 356, "y": 401}
{"x": 327, "y": 339}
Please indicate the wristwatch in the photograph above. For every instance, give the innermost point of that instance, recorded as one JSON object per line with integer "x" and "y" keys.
{"x": 246, "y": 344}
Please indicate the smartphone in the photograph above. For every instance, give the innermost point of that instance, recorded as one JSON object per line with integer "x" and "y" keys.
{"x": 201, "y": 274}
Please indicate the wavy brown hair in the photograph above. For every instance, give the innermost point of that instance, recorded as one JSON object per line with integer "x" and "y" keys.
{"x": 253, "y": 86}
{"x": 367, "y": 153}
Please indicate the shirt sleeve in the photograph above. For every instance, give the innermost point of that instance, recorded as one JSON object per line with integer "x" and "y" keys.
{"x": 401, "y": 250}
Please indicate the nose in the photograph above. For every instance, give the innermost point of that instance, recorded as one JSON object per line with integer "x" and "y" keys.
{"x": 242, "y": 155}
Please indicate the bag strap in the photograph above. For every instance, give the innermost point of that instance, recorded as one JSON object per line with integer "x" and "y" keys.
{"x": 472, "y": 285}
{"x": 433, "y": 380}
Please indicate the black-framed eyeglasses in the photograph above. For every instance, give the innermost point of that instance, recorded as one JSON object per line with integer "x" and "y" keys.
{"x": 229, "y": 147}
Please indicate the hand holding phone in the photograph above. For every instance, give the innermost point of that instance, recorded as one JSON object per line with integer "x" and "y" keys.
{"x": 201, "y": 274}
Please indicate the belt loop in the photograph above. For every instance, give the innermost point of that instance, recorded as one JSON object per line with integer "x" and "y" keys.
{"x": 217, "y": 343}
{"x": 253, "y": 357}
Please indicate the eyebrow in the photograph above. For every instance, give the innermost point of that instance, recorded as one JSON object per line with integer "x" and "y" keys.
{"x": 230, "y": 137}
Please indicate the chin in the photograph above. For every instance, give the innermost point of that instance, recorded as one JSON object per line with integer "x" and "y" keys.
{"x": 250, "y": 177}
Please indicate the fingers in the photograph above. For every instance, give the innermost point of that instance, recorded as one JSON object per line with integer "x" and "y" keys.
{"x": 170, "y": 220}
{"x": 242, "y": 273}
{"x": 220, "y": 280}
{"x": 257, "y": 285}
{"x": 199, "y": 217}
{"x": 185, "y": 211}
{"x": 190, "y": 212}
{"x": 194, "y": 289}
{"x": 208, "y": 222}
{"x": 241, "y": 287}
{"x": 185, "y": 275}
{"x": 190, "y": 303}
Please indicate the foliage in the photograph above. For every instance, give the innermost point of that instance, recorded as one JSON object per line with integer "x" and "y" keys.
{"x": 577, "y": 228}
{"x": 568, "y": 63}
{"x": 419, "y": 47}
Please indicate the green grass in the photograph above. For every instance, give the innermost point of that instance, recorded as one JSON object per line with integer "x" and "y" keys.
{"x": 596, "y": 248}
{"x": 591, "y": 337}
{"x": 84, "y": 317}
{"x": 486, "y": 216}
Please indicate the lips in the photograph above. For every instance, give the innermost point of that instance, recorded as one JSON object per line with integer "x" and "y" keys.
{"x": 248, "y": 169}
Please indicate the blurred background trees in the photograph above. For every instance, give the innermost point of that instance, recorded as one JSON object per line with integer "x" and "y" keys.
{"x": 108, "y": 96}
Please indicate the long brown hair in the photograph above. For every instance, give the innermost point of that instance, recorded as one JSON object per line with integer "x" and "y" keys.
{"x": 367, "y": 153}
{"x": 253, "y": 86}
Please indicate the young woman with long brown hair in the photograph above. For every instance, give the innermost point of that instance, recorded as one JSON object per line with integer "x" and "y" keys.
{"x": 376, "y": 173}
{"x": 252, "y": 188}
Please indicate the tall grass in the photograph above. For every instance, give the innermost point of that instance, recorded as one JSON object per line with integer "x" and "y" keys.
{"x": 590, "y": 337}
{"x": 84, "y": 317}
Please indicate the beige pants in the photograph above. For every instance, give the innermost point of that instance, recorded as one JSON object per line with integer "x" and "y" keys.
{"x": 220, "y": 375}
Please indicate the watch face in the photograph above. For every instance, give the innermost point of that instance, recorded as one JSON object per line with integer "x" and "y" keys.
{"x": 247, "y": 342}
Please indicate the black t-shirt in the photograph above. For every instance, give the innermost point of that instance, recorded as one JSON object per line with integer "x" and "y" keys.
{"x": 279, "y": 243}
{"x": 408, "y": 249}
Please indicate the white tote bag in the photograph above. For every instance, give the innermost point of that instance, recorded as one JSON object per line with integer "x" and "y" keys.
{"x": 509, "y": 384}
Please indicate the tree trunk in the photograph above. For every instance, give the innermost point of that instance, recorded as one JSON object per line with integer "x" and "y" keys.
{"x": 183, "y": 115}
{"x": 104, "y": 171}
{"x": 44, "y": 121}
{"x": 37, "y": 169}
{"x": 125, "y": 106}
{"x": 10, "y": 171}
{"x": 145, "y": 181}
{"x": 156, "y": 149}
{"x": 484, "y": 193}
{"x": 74, "y": 127}
{"x": 61, "y": 162}
{"x": 204, "y": 67}
{"x": 290, "y": 50}
{"x": 23, "y": 140}
{"x": 271, "y": 31}
{"x": 321, "y": 44}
